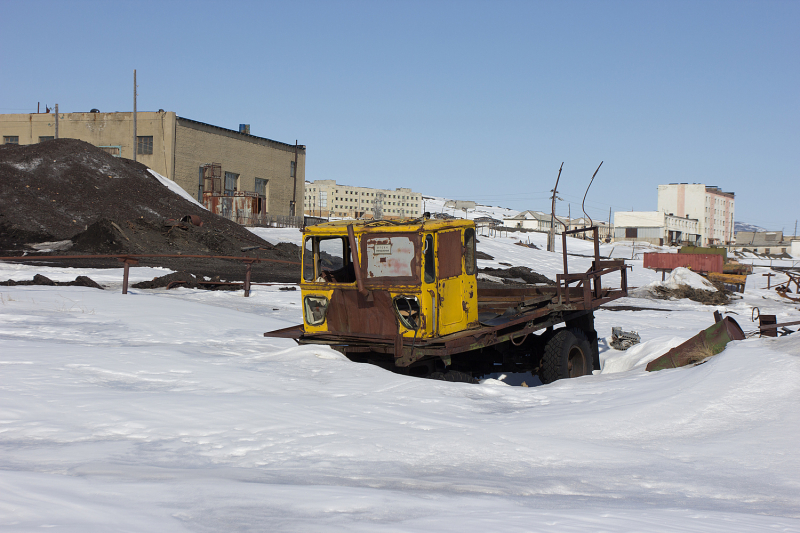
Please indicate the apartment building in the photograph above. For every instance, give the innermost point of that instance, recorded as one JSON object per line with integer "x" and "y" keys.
{"x": 712, "y": 207}
{"x": 326, "y": 198}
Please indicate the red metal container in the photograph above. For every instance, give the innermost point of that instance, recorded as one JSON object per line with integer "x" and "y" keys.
{"x": 696, "y": 262}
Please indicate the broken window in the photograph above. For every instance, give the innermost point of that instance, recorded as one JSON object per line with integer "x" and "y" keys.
{"x": 469, "y": 251}
{"x": 430, "y": 264}
{"x": 11, "y": 139}
{"x": 231, "y": 182}
{"x": 327, "y": 260}
{"x": 144, "y": 145}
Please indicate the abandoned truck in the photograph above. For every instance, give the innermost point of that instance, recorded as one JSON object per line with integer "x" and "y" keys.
{"x": 404, "y": 295}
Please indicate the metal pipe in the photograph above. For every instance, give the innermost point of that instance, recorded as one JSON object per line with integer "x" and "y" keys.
{"x": 354, "y": 254}
{"x": 23, "y": 258}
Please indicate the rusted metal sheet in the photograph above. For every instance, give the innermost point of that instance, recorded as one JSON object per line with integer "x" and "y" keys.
{"x": 708, "y": 342}
{"x": 695, "y": 262}
{"x": 449, "y": 252}
{"x": 351, "y": 312}
{"x": 241, "y": 207}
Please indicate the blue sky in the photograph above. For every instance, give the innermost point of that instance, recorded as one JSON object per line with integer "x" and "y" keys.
{"x": 467, "y": 100}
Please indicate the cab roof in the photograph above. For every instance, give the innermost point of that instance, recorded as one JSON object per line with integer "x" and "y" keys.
{"x": 339, "y": 227}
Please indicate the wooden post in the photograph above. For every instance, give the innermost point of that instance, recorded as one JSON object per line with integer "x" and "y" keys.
{"x": 247, "y": 280}
{"x": 126, "y": 269}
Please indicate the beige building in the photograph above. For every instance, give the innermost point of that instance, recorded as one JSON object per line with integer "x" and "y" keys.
{"x": 325, "y": 198}
{"x": 178, "y": 148}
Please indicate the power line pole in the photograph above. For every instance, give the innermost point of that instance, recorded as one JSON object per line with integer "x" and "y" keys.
{"x": 551, "y": 236}
{"x": 135, "y": 147}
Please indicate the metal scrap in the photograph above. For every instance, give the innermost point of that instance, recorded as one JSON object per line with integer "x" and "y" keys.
{"x": 622, "y": 340}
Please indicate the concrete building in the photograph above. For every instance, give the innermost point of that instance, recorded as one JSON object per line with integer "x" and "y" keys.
{"x": 178, "y": 148}
{"x": 713, "y": 209}
{"x": 766, "y": 242}
{"x": 326, "y": 198}
{"x": 656, "y": 227}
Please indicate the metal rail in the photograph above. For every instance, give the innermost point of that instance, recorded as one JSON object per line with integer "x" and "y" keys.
{"x": 133, "y": 259}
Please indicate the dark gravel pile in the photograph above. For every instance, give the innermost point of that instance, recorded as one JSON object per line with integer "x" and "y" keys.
{"x": 69, "y": 189}
{"x": 510, "y": 275}
{"x": 38, "y": 279}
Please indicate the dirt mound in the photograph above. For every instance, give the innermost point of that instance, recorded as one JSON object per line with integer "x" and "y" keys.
{"x": 517, "y": 275}
{"x": 718, "y": 297}
{"x": 68, "y": 189}
{"x": 38, "y": 279}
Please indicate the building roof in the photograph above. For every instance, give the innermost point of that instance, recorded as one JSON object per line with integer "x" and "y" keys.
{"x": 762, "y": 238}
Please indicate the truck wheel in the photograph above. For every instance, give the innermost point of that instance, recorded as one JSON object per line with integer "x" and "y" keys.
{"x": 454, "y": 375}
{"x": 566, "y": 355}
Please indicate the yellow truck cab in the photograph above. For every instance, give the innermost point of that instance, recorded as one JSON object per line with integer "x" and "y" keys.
{"x": 417, "y": 278}
{"x": 404, "y": 295}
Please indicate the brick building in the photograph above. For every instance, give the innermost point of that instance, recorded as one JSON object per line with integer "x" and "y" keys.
{"x": 272, "y": 172}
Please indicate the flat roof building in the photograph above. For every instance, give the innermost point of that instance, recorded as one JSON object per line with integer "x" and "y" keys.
{"x": 178, "y": 148}
{"x": 326, "y": 198}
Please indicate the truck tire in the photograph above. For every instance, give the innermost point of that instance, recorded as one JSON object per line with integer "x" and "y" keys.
{"x": 567, "y": 354}
{"x": 453, "y": 375}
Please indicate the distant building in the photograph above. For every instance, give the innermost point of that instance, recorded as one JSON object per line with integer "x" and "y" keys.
{"x": 178, "y": 148}
{"x": 766, "y": 242}
{"x": 326, "y": 198}
{"x": 603, "y": 229}
{"x": 656, "y": 227}
{"x": 709, "y": 205}
{"x": 531, "y": 220}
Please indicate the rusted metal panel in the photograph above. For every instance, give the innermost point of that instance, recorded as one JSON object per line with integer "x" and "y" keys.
{"x": 352, "y": 312}
{"x": 449, "y": 252}
{"x": 695, "y": 262}
{"x": 241, "y": 207}
{"x": 708, "y": 342}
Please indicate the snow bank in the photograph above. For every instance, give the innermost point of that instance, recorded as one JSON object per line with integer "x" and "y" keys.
{"x": 174, "y": 187}
{"x": 678, "y": 278}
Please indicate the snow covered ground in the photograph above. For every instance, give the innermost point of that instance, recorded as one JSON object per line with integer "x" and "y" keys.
{"x": 169, "y": 411}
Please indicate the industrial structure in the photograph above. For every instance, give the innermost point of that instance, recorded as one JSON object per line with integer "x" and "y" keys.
{"x": 220, "y": 166}
{"x": 767, "y": 242}
{"x": 326, "y": 198}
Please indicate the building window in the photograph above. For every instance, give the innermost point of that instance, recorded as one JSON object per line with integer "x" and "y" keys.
{"x": 144, "y": 145}
{"x": 11, "y": 139}
{"x": 231, "y": 183}
{"x": 43, "y": 138}
{"x": 292, "y": 169}
{"x": 113, "y": 150}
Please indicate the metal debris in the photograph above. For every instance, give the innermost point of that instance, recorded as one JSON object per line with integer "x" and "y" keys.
{"x": 622, "y": 340}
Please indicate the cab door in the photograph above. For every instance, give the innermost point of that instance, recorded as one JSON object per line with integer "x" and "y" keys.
{"x": 450, "y": 269}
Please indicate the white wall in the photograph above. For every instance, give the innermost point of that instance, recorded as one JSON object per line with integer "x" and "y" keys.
{"x": 639, "y": 219}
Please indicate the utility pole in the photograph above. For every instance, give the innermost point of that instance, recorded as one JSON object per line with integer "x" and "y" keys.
{"x": 135, "y": 144}
{"x": 551, "y": 237}
{"x": 56, "y": 121}
{"x": 293, "y": 208}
